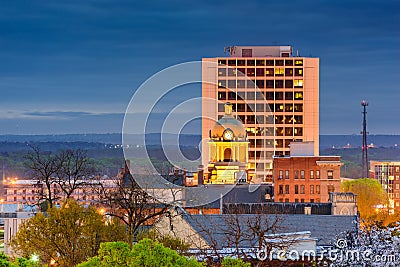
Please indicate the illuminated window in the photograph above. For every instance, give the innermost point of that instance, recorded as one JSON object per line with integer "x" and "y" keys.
{"x": 298, "y": 131}
{"x": 288, "y": 107}
{"x": 221, "y": 96}
{"x": 281, "y": 174}
{"x": 231, "y": 72}
{"x": 311, "y": 174}
{"x": 298, "y": 72}
{"x": 221, "y": 83}
{"x": 221, "y": 72}
{"x": 299, "y": 62}
{"x": 298, "y": 96}
{"x": 298, "y": 83}
{"x": 330, "y": 174}
{"x": 279, "y": 71}
{"x": 288, "y": 131}
{"x": 279, "y": 107}
{"x": 221, "y": 61}
{"x": 279, "y": 131}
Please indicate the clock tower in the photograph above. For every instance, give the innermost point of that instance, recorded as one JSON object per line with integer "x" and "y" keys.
{"x": 228, "y": 151}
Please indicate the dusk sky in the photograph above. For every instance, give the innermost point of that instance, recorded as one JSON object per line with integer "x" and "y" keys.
{"x": 72, "y": 66}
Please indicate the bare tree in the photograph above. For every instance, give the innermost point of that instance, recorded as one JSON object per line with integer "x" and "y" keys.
{"x": 43, "y": 167}
{"x": 127, "y": 201}
{"x": 74, "y": 170}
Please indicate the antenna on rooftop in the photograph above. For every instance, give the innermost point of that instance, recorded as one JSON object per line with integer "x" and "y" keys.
{"x": 365, "y": 172}
{"x": 229, "y": 49}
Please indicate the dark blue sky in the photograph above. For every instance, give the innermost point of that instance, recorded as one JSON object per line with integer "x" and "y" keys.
{"x": 72, "y": 66}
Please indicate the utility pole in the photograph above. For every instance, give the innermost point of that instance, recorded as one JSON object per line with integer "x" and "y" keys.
{"x": 365, "y": 171}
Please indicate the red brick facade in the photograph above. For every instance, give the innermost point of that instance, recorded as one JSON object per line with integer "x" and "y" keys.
{"x": 306, "y": 178}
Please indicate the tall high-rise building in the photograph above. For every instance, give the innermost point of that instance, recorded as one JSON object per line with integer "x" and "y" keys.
{"x": 274, "y": 93}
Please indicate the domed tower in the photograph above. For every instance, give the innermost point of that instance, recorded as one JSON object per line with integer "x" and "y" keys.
{"x": 228, "y": 151}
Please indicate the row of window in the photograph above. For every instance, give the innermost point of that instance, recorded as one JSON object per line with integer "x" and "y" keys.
{"x": 260, "y": 119}
{"x": 299, "y": 189}
{"x": 301, "y": 200}
{"x": 278, "y": 107}
{"x": 242, "y": 96}
{"x": 233, "y": 84}
{"x": 300, "y": 174}
{"x": 271, "y": 131}
{"x": 260, "y": 62}
{"x": 260, "y": 72}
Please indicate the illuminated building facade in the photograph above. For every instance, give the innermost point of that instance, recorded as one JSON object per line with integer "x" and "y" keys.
{"x": 273, "y": 93}
{"x": 228, "y": 150}
{"x": 388, "y": 175}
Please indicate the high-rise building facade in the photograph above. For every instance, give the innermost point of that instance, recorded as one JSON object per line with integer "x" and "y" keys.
{"x": 274, "y": 93}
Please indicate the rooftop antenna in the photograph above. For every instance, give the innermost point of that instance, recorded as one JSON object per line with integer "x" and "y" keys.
{"x": 365, "y": 172}
{"x": 229, "y": 49}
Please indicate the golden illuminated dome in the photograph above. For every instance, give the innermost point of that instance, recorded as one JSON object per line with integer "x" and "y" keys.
{"x": 228, "y": 128}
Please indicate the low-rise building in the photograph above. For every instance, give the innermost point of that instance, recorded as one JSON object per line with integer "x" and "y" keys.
{"x": 303, "y": 177}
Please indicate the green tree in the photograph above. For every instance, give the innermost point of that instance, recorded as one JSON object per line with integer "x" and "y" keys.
{"x": 145, "y": 253}
{"x": 370, "y": 195}
{"x": 67, "y": 235}
{"x": 231, "y": 262}
{"x": 168, "y": 241}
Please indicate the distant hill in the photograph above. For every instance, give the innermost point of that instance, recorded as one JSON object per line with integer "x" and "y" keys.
{"x": 326, "y": 141}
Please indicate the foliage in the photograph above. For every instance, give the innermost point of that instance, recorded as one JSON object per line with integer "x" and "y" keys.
{"x": 168, "y": 241}
{"x": 110, "y": 254}
{"x": 68, "y": 235}
{"x": 231, "y": 262}
{"x": 370, "y": 195}
{"x": 146, "y": 253}
{"x": 19, "y": 262}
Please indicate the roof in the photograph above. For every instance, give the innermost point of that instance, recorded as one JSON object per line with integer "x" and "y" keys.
{"x": 324, "y": 228}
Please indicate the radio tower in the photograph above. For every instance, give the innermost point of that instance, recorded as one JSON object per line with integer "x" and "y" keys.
{"x": 365, "y": 172}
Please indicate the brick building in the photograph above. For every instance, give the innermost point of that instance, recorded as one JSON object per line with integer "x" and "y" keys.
{"x": 305, "y": 178}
